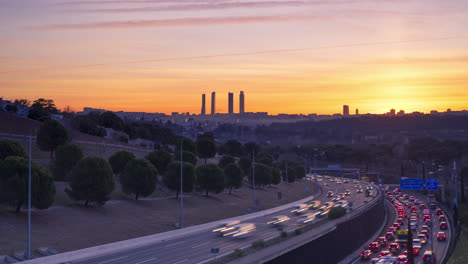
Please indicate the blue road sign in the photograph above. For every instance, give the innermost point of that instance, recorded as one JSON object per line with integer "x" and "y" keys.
{"x": 411, "y": 184}
{"x": 215, "y": 250}
{"x": 432, "y": 184}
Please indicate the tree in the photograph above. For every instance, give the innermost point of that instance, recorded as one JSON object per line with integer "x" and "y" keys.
{"x": 11, "y": 148}
{"x": 187, "y": 145}
{"x": 186, "y": 157}
{"x": 336, "y": 212}
{"x": 226, "y": 160}
{"x": 291, "y": 173}
{"x": 51, "y": 134}
{"x": 139, "y": 177}
{"x": 299, "y": 171}
{"x": 262, "y": 175}
{"x": 206, "y": 135}
{"x": 109, "y": 119}
{"x": 41, "y": 109}
{"x": 160, "y": 159}
{"x": 172, "y": 177}
{"x": 14, "y": 183}
{"x": 250, "y": 147}
{"x": 206, "y": 148}
{"x": 119, "y": 160}
{"x": 264, "y": 158}
{"x": 275, "y": 176}
{"x": 463, "y": 177}
{"x": 91, "y": 180}
{"x": 233, "y": 148}
{"x": 11, "y": 109}
{"x": 210, "y": 178}
{"x": 233, "y": 176}
{"x": 245, "y": 164}
{"x": 65, "y": 159}
{"x": 25, "y": 102}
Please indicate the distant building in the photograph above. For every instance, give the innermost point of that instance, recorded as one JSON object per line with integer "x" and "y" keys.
{"x": 241, "y": 103}
{"x": 231, "y": 103}
{"x": 203, "y": 103}
{"x": 345, "y": 110}
{"x": 401, "y": 112}
{"x": 213, "y": 103}
{"x": 357, "y": 111}
{"x": 392, "y": 111}
{"x": 449, "y": 110}
{"x": 433, "y": 112}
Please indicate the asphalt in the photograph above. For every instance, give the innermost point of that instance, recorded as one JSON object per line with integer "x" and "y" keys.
{"x": 196, "y": 248}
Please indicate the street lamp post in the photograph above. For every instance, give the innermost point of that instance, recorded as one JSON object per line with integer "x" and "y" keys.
{"x": 28, "y": 247}
{"x": 181, "y": 187}
{"x": 253, "y": 179}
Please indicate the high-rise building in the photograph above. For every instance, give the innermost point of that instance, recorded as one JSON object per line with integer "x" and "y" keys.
{"x": 357, "y": 111}
{"x": 213, "y": 103}
{"x": 231, "y": 103}
{"x": 392, "y": 111}
{"x": 345, "y": 110}
{"x": 241, "y": 103}
{"x": 203, "y": 102}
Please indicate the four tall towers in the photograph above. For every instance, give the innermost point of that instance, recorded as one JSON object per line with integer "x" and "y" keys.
{"x": 230, "y": 103}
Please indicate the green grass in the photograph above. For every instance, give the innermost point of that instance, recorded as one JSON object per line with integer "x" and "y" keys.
{"x": 460, "y": 255}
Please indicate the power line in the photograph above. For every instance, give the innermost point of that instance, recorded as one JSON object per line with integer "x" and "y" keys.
{"x": 260, "y": 52}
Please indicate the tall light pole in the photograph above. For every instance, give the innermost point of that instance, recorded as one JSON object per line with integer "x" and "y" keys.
{"x": 181, "y": 187}
{"x": 253, "y": 179}
{"x": 287, "y": 179}
{"x": 28, "y": 246}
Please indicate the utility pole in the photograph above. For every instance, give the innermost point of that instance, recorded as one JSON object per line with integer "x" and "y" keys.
{"x": 181, "y": 187}
{"x": 28, "y": 247}
{"x": 253, "y": 178}
{"x": 287, "y": 180}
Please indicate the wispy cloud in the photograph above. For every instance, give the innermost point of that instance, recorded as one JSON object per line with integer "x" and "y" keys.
{"x": 178, "y": 22}
{"x": 104, "y": 2}
{"x": 205, "y": 6}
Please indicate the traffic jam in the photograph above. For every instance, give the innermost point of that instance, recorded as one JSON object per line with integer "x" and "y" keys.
{"x": 424, "y": 219}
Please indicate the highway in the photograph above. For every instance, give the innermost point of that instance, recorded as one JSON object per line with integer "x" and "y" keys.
{"x": 195, "y": 247}
{"x": 439, "y": 248}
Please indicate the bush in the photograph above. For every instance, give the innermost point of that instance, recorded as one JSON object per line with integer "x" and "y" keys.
{"x": 284, "y": 234}
{"x": 336, "y": 212}
{"x": 11, "y": 148}
{"x": 258, "y": 244}
{"x": 297, "y": 232}
{"x": 238, "y": 253}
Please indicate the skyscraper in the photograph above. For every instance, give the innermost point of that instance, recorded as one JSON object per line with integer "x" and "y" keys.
{"x": 345, "y": 110}
{"x": 231, "y": 103}
{"x": 241, "y": 102}
{"x": 213, "y": 103}
{"x": 357, "y": 111}
{"x": 203, "y": 101}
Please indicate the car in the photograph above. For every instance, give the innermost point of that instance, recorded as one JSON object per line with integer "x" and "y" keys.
{"x": 314, "y": 204}
{"x": 428, "y": 222}
{"x": 359, "y": 190}
{"x": 394, "y": 248}
{"x": 241, "y": 230}
{"x": 325, "y": 184}
{"x": 425, "y": 227}
{"x": 225, "y": 227}
{"x": 428, "y": 257}
{"x": 299, "y": 209}
{"x": 417, "y": 242}
{"x": 347, "y": 193}
{"x": 423, "y": 206}
{"x": 345, "y": 181}
{"x": 425, "y": 232}
{"x": 384, "y": 253}
{"x": 369, "y": 187}
{"x": 443, "y": 225}
{"x": 426, "y": 217}
{"x": 442, "y": 218}
{"x": 382, "y": 241}
{"x": 402, "y": 259}
{"x": 390, "y": 236}
{"x": 441, "y": 236}
{"x": 307, "y": 218}
{"x": 374, "y": 247}
{"x": 330, "y": 194}
{"x": 422, "y": 238}
{"x": 432, "y": 205}
{"x": 374, "y": 260}
{"x": 416, "y": 250}
{"x": 414, "y": 209}
{"x": 365, "y": 254}
{"x": 391, "y": 229}
{"x": 396, "y": 225}
{"x": 278, "y": 220}
{"x": 439, "y": 211}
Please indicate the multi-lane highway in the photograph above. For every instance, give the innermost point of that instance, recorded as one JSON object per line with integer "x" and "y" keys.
{"x": 195, "y": 247}
{"x": 420, "y": 205}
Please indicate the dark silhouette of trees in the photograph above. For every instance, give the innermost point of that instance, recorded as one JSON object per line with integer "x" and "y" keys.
{"x": 210, "y": 178}
{"x": 187, "y": 145}
{"x": 172, "y": 177}
{"x": 65, "y": 159}
{"x": 275, "y": 176}
{"x": 233, "y": 176}
{"x": 245, "y": 164}
{"x": 160, "y": 159}
{"x": 51, "y": 134}
{"x": 119, "y": 160}
{"x": 11, "y": 148}
{"x": 225, "y": 160}
{"x": 232, "y": 147}
{"x": 264, "y": 158}
{"x": 91, "y": 180}
{"x": 139, "y": 177}
{"x": 206, "y": 148}
{"x": 250, "y": 147}
{"x": 14, "y": 183}
{"x": 11, "y": 109}
{"x": 263, "y": 174}
{"x": 25, "y": 102}
{"x": 109, "y": 119}
{"x": 41, "y": 109}
{"x": 186, "y": 157}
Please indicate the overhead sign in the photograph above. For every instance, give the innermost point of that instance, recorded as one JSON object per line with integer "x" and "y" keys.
{"x": 432, "y": 184}
{"x": 411, "y": 184}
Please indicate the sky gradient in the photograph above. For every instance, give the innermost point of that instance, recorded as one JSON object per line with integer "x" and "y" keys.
{"x": 287, "y": 56}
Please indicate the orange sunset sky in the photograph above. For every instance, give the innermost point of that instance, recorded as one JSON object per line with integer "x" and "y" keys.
{"x": 292, "y": 56}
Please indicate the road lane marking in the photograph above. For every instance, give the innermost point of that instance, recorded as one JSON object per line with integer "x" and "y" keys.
{"x": 175, "y": 244}
{"x": 229, "y": 245}
{"x": 110, "y": 260}
{"x": 144, "y": 261}
{"x": 201, "y": 245}
{"x": 180, "y": 261}
{"x": 267, "y": 233}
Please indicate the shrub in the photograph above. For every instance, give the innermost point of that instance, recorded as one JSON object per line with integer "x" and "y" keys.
{"x": 284, "y": 234}
{"x": 336, "y": 212}
{"x": 297, "y": 232}
{"x": 238, "y": 253}
{"x": 258, "y": 244}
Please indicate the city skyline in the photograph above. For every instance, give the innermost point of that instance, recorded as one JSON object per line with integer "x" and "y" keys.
{"x": 375, "y": 55}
